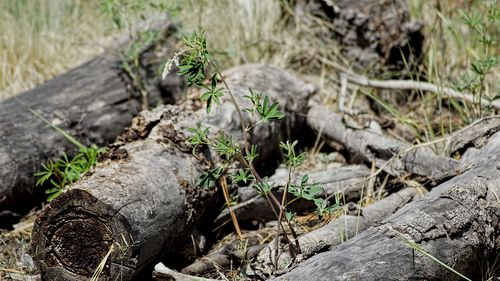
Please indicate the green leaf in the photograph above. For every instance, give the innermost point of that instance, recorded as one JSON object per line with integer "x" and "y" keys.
{"x": 243, "y": 175}
{"x": 200, "y": 136}
{"x": 213, "y": 94}
{"x": 251, "y": 155}
{"x": 225, "y": 146}
{"x": 266, "y": 111}
{"x": 263, "y": 187}
{"x": 290, "y": 156}
{"x": 210, "y": 177}
{"x": 269, "y": 112}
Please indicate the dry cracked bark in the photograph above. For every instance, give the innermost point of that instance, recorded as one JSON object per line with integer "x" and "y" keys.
{"x": 457, "y": 223}
{"x": 145, "y": 202}
{"x": 371, "y": 33}
{"x": 93, "y": 103}
{"x": 370, "y": 144}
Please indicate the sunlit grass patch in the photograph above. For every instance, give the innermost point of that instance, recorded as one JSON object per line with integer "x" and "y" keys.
{"x": 41, "y": 39}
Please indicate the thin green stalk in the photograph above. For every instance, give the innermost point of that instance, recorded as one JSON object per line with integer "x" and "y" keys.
{"x": 417, "y": 248}
{"x": 282, "y": 210}
{"x": 59, "y": 130}
{"x": 233, "y": 99}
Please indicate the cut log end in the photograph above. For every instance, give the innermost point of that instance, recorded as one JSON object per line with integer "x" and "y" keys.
{"x": 76, "y": 232}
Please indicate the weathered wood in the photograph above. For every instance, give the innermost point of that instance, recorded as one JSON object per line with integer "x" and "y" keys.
{"x": 371, "y": 33}
{"x": 147, "y": 198}
{"x": 163, "y": 273}
{"x": 346, "y": 181}
{"x": 370, "y": 144}
{"x": 338, "y": 231}
{"x": 457, "y": 223}
{"x": 228, "y": 254}
{"x": 93, "y": 102}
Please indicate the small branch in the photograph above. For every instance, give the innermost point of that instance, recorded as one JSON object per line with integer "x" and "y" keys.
{"x": 415, "y": 85}
{"x": 161, "y": 272}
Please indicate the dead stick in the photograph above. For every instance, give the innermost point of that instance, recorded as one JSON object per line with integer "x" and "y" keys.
{"x": 415, "y": 85}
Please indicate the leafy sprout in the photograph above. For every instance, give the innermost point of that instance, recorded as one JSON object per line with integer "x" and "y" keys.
{"x": 212, "y": 94}
{"x": 267, "y": 111}
{"x": 290, "y": 156}
{"x": 243, "y": 175}
{"x": 225, "y": 146}
{"x": 210, "y": 177}
{"x": 195, "y": 58}
{"x": 200, "y": 136}
{"x": 64, "y": 171}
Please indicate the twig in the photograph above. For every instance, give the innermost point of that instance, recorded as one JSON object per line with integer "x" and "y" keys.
{"x": 225, "y": 191}
{"x": 415, "y": 85}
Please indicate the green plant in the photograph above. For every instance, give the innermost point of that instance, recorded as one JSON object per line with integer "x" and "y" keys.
{"x": 131, "y": 63}
{"x": 65, "y": 171}
{"x": 194, "y": 61}
{"x": 482, "y": 28}
{"x": 122, "y": 13}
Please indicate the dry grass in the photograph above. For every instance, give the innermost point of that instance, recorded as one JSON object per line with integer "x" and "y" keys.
{"x": 249, "y": 31}
{"x": 41, "y": 39}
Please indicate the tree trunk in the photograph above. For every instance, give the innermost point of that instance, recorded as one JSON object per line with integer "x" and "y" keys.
{"x": 457, "y": 223}
{"x": 93, "y": 103}
{"x": 146, "y": 202}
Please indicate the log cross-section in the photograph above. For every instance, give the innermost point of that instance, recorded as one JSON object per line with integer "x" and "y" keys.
{"x": 145, "y": 202}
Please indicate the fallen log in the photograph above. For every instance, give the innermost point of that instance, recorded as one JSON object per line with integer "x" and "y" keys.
{"x": 456, "y": 223}
{"x": 348, "y": 182}
{"x": 146, "y": 202}
{"x": 93, "y": 102}
{"x": 369, "y": 144}
{"x": 337, "y": 231}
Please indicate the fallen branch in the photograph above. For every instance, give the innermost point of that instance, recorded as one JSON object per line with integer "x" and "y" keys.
{"x": 456, "y": 223}
{"x": 370, "y": 144}
{"x": 93, "y": 103}
{"x": 415, "y": 85}
{"x": 163, "y": 273}
{"x": 339, "y": 230}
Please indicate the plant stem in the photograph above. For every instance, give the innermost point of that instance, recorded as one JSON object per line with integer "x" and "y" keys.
{"x": 233, "y": 99}
{"x": 282, "y": 210}
{"x": 272, "y": 199}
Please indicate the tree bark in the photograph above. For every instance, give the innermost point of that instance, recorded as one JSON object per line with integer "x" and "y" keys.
{"x": 457, "y": 223}
{"x": 146, "y": 202}
{"x": 369, "y": 144}
{"x": 371, "y": 33}
{"x": 93, "y": 102}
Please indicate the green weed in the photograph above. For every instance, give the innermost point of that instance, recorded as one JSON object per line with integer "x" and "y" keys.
{"x": 193, "y": 61}
{"x": 64, "y": 171}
